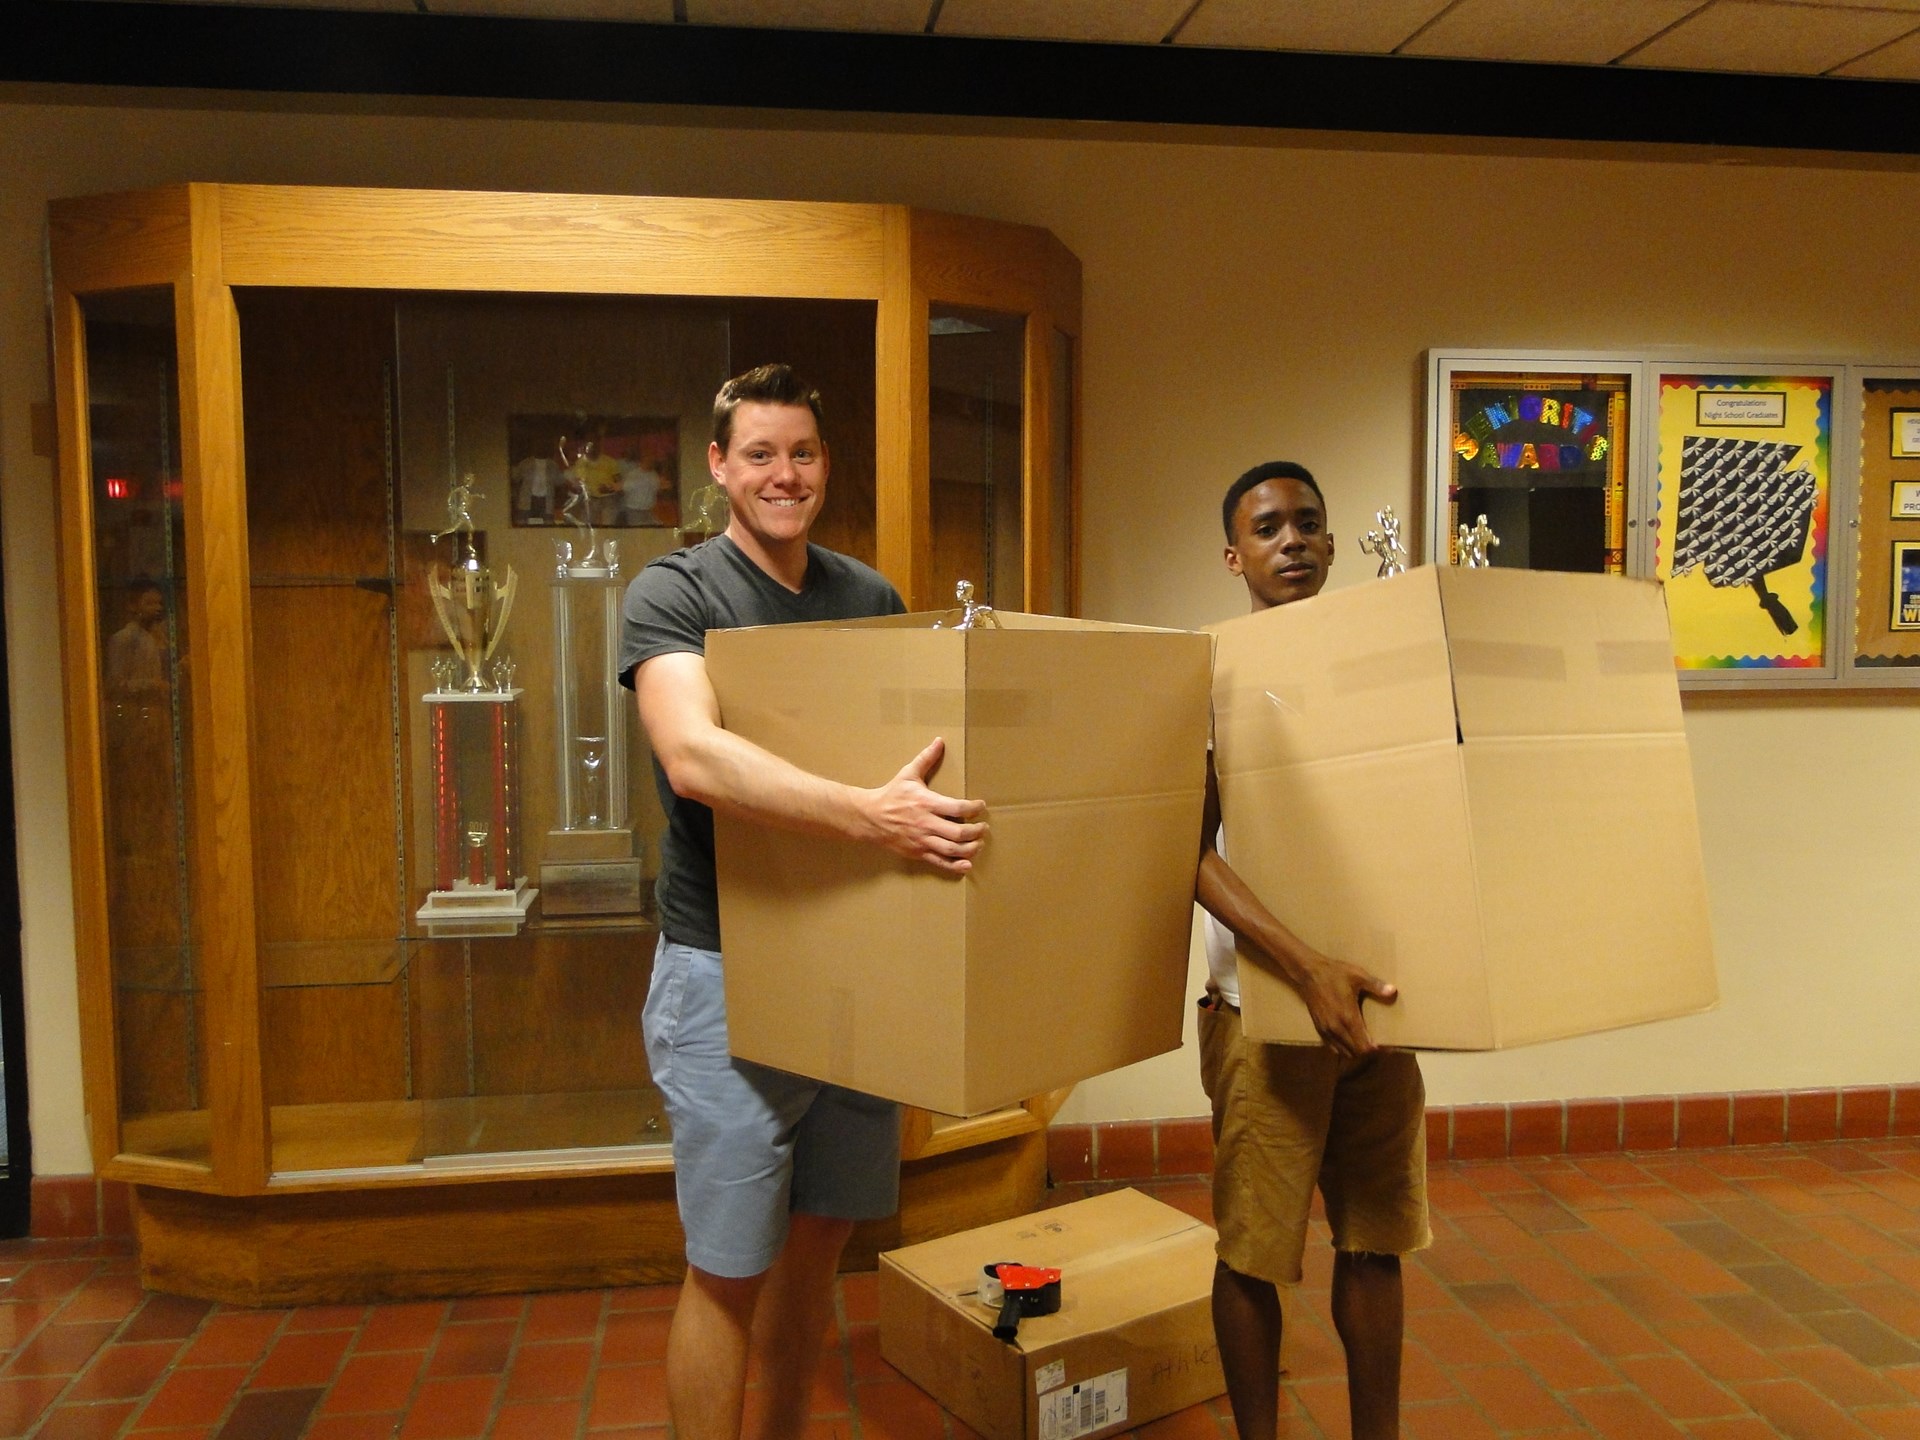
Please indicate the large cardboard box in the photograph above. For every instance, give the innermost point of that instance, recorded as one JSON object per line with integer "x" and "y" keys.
{"x": 1133, "y": 1339}
{"x": 1063, "y": 954}
{"x": 1474, "y": 783}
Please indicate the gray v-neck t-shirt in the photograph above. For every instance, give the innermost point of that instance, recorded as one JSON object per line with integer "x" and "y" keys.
{"x": 669, "y": 607}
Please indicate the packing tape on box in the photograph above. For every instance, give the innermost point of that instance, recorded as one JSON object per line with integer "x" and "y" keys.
{"x": 1634, "y": 657}
{"x": 1509, "y": 660}
{"x": 944, "y": 708}
{"x": 1385, "y": 669}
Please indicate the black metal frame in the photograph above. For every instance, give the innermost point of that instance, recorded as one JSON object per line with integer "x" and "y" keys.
{"x": 382, "y": 53}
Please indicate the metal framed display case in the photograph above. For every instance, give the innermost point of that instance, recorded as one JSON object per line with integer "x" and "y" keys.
{"x": 1765, "y": 494}
{"x": 1539, "y": 444}
{"x": 1880, "y": 533}
{"x": 350, "y": 484}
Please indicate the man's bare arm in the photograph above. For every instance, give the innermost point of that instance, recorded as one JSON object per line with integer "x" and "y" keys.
{"x": 1332, "y": 989}
{"x": 705, "y": 762}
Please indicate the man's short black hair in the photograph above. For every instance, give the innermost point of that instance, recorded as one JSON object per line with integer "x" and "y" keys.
{"x": 1259, "y": 475}
{"x": 764, "y": 385}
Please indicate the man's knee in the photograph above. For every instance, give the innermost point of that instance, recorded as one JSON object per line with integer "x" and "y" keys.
{"x": 732, "y": 1294}
{"x": 820, "y": 1237}
{"x": 1372, "y": 1260}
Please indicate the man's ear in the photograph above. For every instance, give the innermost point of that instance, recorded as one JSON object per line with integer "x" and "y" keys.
{"x": 1232, "y": 557}
{"x": 716, "y": 459}
{"x": 1331, "y": 547}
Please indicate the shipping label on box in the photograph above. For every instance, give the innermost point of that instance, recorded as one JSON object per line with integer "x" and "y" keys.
{"x": 1133, "y": 1339}
{"x": 1063, "y": 953}
{"x": 1474, "y": 783}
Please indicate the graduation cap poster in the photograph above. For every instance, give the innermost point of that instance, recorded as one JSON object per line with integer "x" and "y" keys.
{"x": 1744, "y": 474}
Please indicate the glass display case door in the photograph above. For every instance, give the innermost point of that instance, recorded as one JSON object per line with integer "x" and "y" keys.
{"x": 159, "y": 715}
{"x": 993, "y": 498}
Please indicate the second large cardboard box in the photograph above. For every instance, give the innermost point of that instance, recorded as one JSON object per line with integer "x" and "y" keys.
{"x": 1064, "y": 953}
{"x": 1133, "y": 1339}
{"x": 1474, "y": 783}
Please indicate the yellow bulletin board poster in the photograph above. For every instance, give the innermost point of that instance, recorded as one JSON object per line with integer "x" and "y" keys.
{"x": 1744, "y": 482}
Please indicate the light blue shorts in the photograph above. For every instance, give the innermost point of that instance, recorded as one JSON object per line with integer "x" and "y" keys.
{"x": 752, "y": 1145}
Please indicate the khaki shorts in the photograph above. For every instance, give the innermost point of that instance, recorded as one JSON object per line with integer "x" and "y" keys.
{"x": 1285, "y": 1116}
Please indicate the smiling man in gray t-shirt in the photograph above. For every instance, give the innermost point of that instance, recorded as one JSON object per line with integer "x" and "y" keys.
{"x": 770, "y": 1170}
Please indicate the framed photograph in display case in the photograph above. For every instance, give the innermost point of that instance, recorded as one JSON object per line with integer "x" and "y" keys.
{"x": 1743, "y": 482}
{"x": 1541, "y": 446}
{"x": 603, "y": 470}
{"x": 1906, "y": 585}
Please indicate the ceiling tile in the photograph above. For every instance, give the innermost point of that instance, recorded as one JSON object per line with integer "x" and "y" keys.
{"x": 1139, "y": 22}
{"x": 1554, "y": 32}
{"x": 1772, "y": 39}
{"x": 1375, "y": 27}
{"x": 313, "y": 4}
{"x": 864, "y": 15}
{"x": 1898, "y": 61}
{"x": 648, "y": 12}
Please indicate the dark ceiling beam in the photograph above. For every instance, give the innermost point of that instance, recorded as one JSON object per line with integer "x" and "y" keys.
{"x": 373, "y": 53}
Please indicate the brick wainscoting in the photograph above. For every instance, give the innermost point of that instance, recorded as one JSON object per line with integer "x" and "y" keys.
{"x": 79, "y": 1207}
{"x": 1152, "y": 1149}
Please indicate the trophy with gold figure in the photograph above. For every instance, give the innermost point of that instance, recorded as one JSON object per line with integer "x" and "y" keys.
{"x": 1384, "y": 544}
{"x": 473, "y": 729}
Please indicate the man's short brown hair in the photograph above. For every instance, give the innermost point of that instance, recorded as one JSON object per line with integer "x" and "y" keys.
{"x": 762, "y": 385}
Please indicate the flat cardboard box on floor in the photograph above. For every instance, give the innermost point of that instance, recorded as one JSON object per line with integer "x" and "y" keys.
{"x": 1474, "y": 783}
{"x": 1063, "y": 954}
{"x": 1133, "y": 1339}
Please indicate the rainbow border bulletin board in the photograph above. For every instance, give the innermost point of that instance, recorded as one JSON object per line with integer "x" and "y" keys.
{"x": 1744, "y": 483}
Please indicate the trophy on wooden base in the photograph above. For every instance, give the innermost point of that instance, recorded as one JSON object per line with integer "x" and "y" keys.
{"x": 588, "y": 866}
{"x": 473, "y": 729}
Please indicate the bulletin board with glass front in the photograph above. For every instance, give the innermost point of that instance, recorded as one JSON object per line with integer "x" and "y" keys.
{"x": 1541, "y": 452}
{"x": 1885, "y": 635}
{"x": 1778, "y": 503}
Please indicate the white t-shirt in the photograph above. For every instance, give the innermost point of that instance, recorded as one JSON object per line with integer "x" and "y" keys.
{"x": 1222, "y": 963}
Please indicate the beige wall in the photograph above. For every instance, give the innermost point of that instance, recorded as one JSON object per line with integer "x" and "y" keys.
{"x": 1241, "y": 302}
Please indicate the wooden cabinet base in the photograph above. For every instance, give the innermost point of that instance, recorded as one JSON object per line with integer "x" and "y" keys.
{"x": 486, "y": 1237}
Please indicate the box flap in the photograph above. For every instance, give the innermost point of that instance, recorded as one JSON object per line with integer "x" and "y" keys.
{"x": 1563, "y": 830}
{"x": 861, "y": 905}
{"x": 1346, "y": 673}
{"x": 1539, "y": 652}
{"x": 1097, "y": 693}
{"x": 1066, "y": 978}
{"x": 912, "y": 686}
{"x": 949, "y": 619}
{"x": 1367, "y": 858}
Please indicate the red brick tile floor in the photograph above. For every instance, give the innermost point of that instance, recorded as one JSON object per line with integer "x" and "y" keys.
{"x": 1725, "y": 1294}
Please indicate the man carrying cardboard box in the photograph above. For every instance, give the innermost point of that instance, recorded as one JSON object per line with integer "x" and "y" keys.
{"x": 770, "y": 1170}
{"x": 1343, "y": 1113}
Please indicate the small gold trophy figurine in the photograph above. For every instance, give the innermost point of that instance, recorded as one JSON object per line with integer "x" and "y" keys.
{"x": 972, "y": 615}
{"x": 1384, "y": 542}
{"x": 470, "y": 603}
{"x": 1475, "y": 543}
